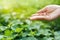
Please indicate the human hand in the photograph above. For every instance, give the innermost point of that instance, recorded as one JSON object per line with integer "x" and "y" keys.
{"x": 49, "y": 12}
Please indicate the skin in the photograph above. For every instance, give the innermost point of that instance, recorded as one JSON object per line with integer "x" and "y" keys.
{"x": 49, "y": 12}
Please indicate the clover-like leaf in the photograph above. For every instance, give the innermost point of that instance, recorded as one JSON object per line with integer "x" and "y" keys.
{"x": 29, "y": 38}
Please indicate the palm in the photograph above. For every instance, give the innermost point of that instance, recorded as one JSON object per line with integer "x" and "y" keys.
{"x": 48, "y": 13}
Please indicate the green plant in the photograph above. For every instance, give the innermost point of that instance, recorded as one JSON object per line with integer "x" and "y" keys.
{"x": 16, "y": 25}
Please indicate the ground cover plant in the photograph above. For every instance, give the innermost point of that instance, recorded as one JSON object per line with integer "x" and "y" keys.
{"x": 16, "y": 25}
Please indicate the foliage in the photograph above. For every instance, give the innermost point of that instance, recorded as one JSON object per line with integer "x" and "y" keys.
{"x": 16, "y": 25}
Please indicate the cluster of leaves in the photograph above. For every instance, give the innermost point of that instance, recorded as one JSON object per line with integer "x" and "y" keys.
{"x": 24, "y": 29}
{"x": 12, "y": 28}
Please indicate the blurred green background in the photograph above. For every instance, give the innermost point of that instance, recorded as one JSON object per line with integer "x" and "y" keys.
{"x": 15, "y": 23}
{"x": 24, "y": 8}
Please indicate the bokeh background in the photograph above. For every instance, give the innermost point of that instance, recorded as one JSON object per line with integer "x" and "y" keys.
{"x": 16, "y": 25}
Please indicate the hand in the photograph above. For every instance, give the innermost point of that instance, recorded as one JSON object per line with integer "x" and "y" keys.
{"x": 49, "y": 12}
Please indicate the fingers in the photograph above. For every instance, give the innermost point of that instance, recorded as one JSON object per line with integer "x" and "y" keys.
{"x": 42, "y": 10}
{"x": 40, "y": 14}
{"x": 35, "y": 14}
{"x": 37, "y": 17}
{"x": 51, "y": 16}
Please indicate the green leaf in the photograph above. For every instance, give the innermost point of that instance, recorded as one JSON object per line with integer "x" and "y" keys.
{"x": 8, "y": 33}
{"x": 19, "y": 29}
{"x": 29, "y": 38}
{"x": 3, "y": 28}
{"x": 57, "y": 35}
{"x": 1, "y": 36}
